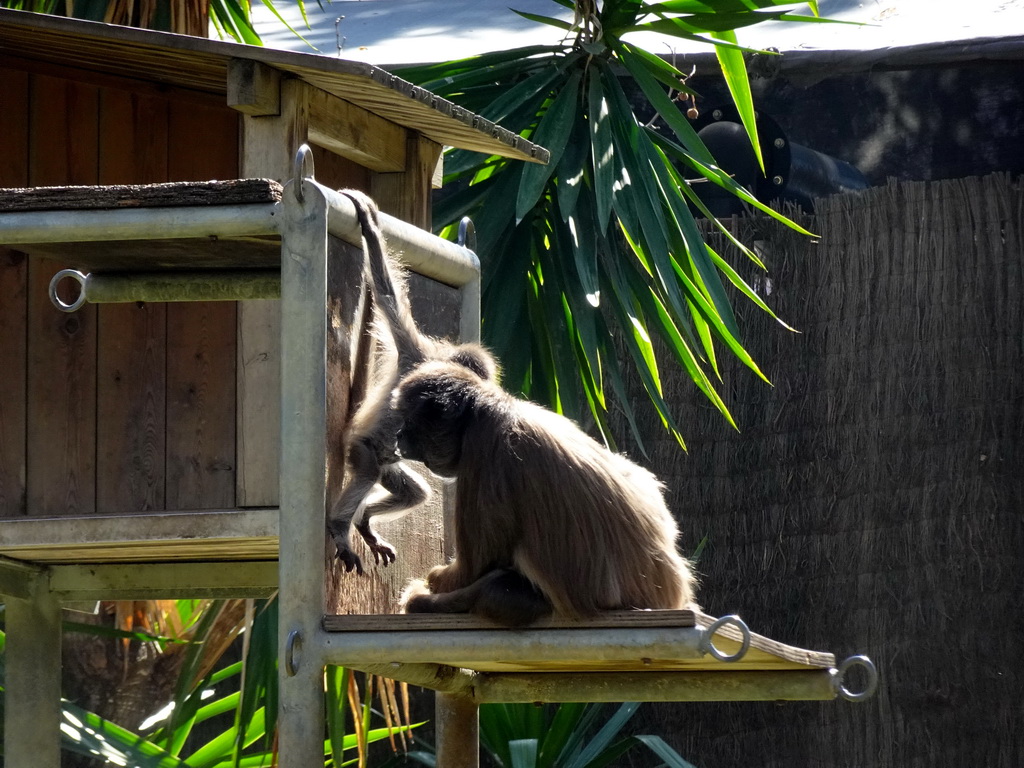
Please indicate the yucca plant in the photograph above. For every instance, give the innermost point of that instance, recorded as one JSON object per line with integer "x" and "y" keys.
{"x": 220, "y": 715}
{"x": 604, "y": 235}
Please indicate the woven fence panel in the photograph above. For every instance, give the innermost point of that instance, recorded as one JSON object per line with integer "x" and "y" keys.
{"x": 873, "y": 501}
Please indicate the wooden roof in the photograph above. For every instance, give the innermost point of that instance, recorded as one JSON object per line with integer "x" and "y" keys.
{"x": 201, "y": 64}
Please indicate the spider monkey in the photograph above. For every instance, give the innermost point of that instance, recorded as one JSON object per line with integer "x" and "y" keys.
{"x": 370, "y": 450}
{"x": 546, "y": 519}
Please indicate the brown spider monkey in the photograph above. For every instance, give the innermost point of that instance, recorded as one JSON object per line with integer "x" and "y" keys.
{"x": 546, "y": 519}
{"x": 370, "y": 448}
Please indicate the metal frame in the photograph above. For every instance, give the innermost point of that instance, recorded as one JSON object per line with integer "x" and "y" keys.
{"x": 311, "y": 212}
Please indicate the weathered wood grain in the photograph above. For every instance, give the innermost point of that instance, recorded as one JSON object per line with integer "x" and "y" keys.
{"x": 253, "y": 87}
{"x": 422, "y": 622}
{"x": 221, "y": 534}
{"x": 14, "y": 96}
{"x": 202, "y": 65}
{"x": 201, "y": 337}
{"x": 268, "y": 144}
{"x": 352, "y": 132}
{"x": 200, "y": 405}
{"x": 61, "y": 421}
{"x": 132, "y": 340}
{"x": 141, "y": 195}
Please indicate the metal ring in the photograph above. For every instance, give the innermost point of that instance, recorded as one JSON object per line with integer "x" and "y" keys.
{"x": 303, "y": 163}
{"x": 706, "y": 641}
{"x": 55, "y": 281}
{"x": 870, "y": 685}
{"x": 467, "y": 233}
{"x": 292, "y": 646}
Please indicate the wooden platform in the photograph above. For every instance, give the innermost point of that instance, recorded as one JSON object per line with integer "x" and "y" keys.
{"x": 119, "y": 196}
{"x": 106, "y": 208}
{"x": 195, "y": 535}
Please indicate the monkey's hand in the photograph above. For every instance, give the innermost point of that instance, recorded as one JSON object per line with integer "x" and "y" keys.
{"x": 383, "y": 553}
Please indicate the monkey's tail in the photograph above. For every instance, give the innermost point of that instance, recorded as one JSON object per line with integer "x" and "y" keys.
{"x": 389, "y": 290}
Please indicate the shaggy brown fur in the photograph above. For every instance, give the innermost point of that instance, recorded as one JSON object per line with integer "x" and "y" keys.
{"x": 370, "y": 438}
{"x": 546, "y": 519}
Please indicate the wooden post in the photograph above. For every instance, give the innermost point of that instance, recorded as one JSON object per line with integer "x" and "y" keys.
{"x": 32, "y": 715}
{"x": 457, "y": 729}
{"x": 268, "y": 148}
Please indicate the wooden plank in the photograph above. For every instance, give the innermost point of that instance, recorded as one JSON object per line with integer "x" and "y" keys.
{"x": 14, "y": 96}
{"x": 130, "y": 407}
{"x": 61, "y": 420}
{"x": 267, "y": 151}
{"x": 193, "y": 535}
{"x": 202, "y": 64}
{"x": 352, "y": 132}
{"x": 144, "y": 551}
{"x": 176, "y": 254}
{"x": 406, "y": 195}
{"x": 201, "y": 344}
{"x": 132, "y": 339}
{"x": 200, "y": 405}
{"x": 454, "y": 622}
{"x": 35, "y": 66}
{"x": 139, "y": 195}
{"x": 155, "y": 581}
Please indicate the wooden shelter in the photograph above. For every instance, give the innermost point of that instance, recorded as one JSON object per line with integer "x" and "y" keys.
{"x": 140, "y": 440}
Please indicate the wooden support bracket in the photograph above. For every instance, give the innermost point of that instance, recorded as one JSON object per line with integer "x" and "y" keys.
{"x": 254, "y": 88}
{"x": 352, "y": 132}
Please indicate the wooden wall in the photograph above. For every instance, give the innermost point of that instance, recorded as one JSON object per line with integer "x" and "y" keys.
{"x": 117, "y": 408}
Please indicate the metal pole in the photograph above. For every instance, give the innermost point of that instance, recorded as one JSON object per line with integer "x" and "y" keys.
{"x": 418, "y": 249}
{"x": 457, "y": 731}
{"x": 751, "y": 685}
{"x": 303, "y": 458}
{"x": 482, "y": 647}
{"x": 32, "y": 711}
{"x": 139, "y": 224}
{"x": 204, "y": 285}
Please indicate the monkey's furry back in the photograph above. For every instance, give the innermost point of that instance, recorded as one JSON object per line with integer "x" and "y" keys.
{"x": 588, "y": 526}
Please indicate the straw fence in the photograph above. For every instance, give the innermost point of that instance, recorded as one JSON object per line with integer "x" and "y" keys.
{"x": 874, "y": 500}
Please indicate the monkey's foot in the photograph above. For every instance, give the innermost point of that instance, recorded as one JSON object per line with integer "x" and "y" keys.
{"x": 383, "y": 553}
{"x": 415, "y": 597}
{"x": 348, "y": 558}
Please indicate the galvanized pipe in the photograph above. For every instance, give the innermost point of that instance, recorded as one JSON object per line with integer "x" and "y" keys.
{"x": 534, "y": 646}
{"x": 436, "y": 677}
{"x": 303, "y": 490}
{"x": 197, "y": 285}
{"x": 753, "y": 685}
{"x": 417, "y": 249}
{"x": 252, "y": 219}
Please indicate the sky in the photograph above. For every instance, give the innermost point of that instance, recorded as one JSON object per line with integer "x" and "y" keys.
{"x": 386, "y": 32}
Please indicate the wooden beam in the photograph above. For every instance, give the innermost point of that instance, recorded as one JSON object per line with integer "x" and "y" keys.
{"x": 406, "y": 195}
{"x": 254, "y": 88}
{"x": 268, "y": 147}
{"x": 154, "y": 581}
{"x": 352, "y": 132}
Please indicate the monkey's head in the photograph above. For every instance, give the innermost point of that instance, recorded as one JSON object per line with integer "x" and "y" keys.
{"x": 476, "y": 358}
{"x": 435, "y": 403}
